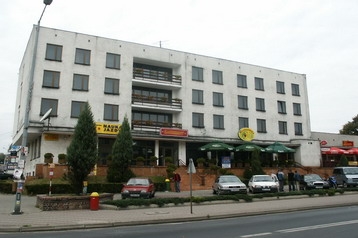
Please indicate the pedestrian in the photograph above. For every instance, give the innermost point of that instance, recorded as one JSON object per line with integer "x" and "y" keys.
{"x": 281, "y": 179}
{"x": 291, "y": 180}
{"x": 177, "y": 180}
{"x": 297, "y": 178}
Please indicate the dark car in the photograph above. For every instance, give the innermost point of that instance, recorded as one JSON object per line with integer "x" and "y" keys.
{"x": 4, "y": 176}
{"x": 313, "y": 181}
{"x": 228, "y": 184}
{"x": 138, "y": 188}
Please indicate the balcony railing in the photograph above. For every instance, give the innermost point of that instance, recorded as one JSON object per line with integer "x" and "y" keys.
{"x": 153, "y": 125}
{"x": 161, "y": 102}
{"x": 156, "y": 76}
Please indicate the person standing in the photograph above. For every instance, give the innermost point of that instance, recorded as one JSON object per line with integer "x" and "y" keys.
{"x": 291, "y": 181}
{"x": 177, "y": 180}
{"x": 297, "y": 178}
{"x": 281, "y": 179}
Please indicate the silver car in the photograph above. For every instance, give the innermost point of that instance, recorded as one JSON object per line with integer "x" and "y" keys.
{"x": 228, "y": 184}
{"x": 262, "y": 183}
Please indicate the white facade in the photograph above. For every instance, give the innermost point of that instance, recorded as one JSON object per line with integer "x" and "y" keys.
{"x": 54, "y": 136}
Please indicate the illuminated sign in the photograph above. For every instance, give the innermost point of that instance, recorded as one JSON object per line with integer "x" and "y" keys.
{"x": 51, "y": 137}
{"x": 348, "y": 143}
{"x": 109, "y": 129}
{"x": 173, "y": 132}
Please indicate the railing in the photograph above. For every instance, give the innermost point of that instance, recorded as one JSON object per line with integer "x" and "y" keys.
{"x": 156, "y": 76}
{"x": 153, "y": 125}
{"x": 156, "y": 101}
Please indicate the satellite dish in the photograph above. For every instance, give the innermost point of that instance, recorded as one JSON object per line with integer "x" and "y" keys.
{"x": 47, "y": 115}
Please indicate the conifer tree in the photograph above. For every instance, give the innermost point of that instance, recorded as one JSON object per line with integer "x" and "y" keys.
{"x": 82, "y": 152}
{"x": 122, "y": 153}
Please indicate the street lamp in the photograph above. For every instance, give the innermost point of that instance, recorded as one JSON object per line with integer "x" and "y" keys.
{"x": 17, "y": 209}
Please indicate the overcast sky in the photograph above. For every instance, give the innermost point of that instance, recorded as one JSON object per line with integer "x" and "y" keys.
{"x": 318, "y": 38}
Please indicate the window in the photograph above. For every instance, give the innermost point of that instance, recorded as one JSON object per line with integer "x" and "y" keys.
{"x": 76, "y": 108}
{"x": 218, "y": 99}
{"x": 197, "y": 96}
{"x": 297, "y": 109}
{"x": 243, "y": 122}
{"x": 80, "y": 82}
{"x": 242, "y": 100}
{"x": 83, "y": 56}
{"x": 298, "y": 129}
{"x": 46, "y": 104}
{"x": 218, "y": 121}
{"x": 198, "y": 120}
{"x": 54, "y": 52}
{"x": 281, "y": 105}
{"x": 217, "y": 77}
{"x": 111, "y": 86}
{"x": 113, "y": 61}
{"x": 110, "y": 112}
{"x": 260, "y": 104}
{"x": 197, "y": 74}
{"x": 259, "y": 84}
{"x": 51, "y": 79}
{"x": 280, "y": 87}
{"x": 295, "y": 89}
{"x": 241, "y": 81}
{"x": 282, "y": 127}
{"x": 152, "y": 118}
{"x": 261, "y": 125}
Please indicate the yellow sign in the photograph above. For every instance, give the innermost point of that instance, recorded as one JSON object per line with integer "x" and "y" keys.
{"x": 109, "y": 129}
{"x": 51, "y": 137}
{"x": 246, "y": 134}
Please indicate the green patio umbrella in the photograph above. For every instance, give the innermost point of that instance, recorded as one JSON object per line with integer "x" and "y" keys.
{"x": 249, "y": 147}
{"x": 278, "y": 148}
{"x": 217, "y": 146}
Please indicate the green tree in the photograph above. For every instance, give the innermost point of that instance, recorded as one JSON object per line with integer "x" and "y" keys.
{"x": 343, "y": 161}
{"x": 256, "y": 163}
{"x": 351, "y": 128}
{"x": 82, "y": 152}
{"x": 122, "y": 153}
{"x": 2, "y": 158}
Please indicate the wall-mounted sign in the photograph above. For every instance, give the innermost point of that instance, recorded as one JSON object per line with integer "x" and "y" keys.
{"x": 109, "y": 129}
{"x": 348, "y": 143}
{"x": 246, "y": 134}
{"x": 51, "y": 137}
{"x": 173, "y": 132}
{"x": 323, "y": 142}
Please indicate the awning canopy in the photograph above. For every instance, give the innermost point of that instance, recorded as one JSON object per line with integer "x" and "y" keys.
{"x": 353, "y": 151}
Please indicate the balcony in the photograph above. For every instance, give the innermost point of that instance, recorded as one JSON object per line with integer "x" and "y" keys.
{"x": 153, "y": 126}
{"x": 156, "y": 104}
{"x": 161, "y": 79}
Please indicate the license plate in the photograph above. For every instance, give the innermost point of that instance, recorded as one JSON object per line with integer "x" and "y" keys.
{"x": 134, "y": 195}
{"x": 265, "y": 189}
{"x": 319, "y": 186}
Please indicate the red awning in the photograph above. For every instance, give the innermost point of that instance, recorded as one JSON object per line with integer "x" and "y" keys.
{"x": 353, "y": 151}
{"x": 333, "y": 151}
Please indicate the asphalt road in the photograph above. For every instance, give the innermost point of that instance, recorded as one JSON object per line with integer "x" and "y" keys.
{"x": 327, "y": 223}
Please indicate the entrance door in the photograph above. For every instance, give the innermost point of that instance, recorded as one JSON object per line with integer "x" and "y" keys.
{"x": 165, "y": 152}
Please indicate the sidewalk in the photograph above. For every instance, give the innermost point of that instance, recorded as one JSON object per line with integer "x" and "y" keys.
{"x": 33, "y": 219}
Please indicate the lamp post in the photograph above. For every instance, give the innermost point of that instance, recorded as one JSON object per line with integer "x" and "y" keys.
{"x": 17, "y": 209}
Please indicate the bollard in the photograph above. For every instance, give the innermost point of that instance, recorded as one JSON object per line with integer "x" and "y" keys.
{"x": 94, "y": 201}
{"x": 167, "y": 182}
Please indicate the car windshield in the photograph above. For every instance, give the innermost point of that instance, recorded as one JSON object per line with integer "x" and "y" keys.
{"x": 312, "y": 177}
{"x": 263, "y": 178}
{"x": 136, "y": 181}
{"x": 351, "y": 170}
{"x": 229, "y": 179}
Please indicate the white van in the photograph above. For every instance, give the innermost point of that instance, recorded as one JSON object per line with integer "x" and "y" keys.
{"x": 346, "y": 176}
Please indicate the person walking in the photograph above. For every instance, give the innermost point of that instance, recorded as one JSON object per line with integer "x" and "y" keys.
{"x": 177, "y": 180}
{"x": 281, "y": 179}
{"x": 297, "y": 178}
{"x": 291, "y": 180}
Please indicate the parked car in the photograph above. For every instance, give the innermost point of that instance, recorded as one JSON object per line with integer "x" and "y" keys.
{"x": 262, "y": 183}
{"x": 313, "y": 181}
{"x": 4, "y": 175}
{"x": 346, "y": 176}
{"x": 228, "y": 184}
{"x": 138, "y": 188}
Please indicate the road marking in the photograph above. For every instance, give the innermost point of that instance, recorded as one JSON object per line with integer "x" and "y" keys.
{"x": 306, "y": 228}
{"x": 256, "y": 235}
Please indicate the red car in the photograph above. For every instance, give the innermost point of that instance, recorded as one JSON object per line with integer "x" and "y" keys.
{"x": 138, "y": 188}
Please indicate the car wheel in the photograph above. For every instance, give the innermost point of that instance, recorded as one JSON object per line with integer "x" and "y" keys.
{"x": 214, "y": 192}
{"x": 344, "y": 185}
{"x": 218, "y": 192}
